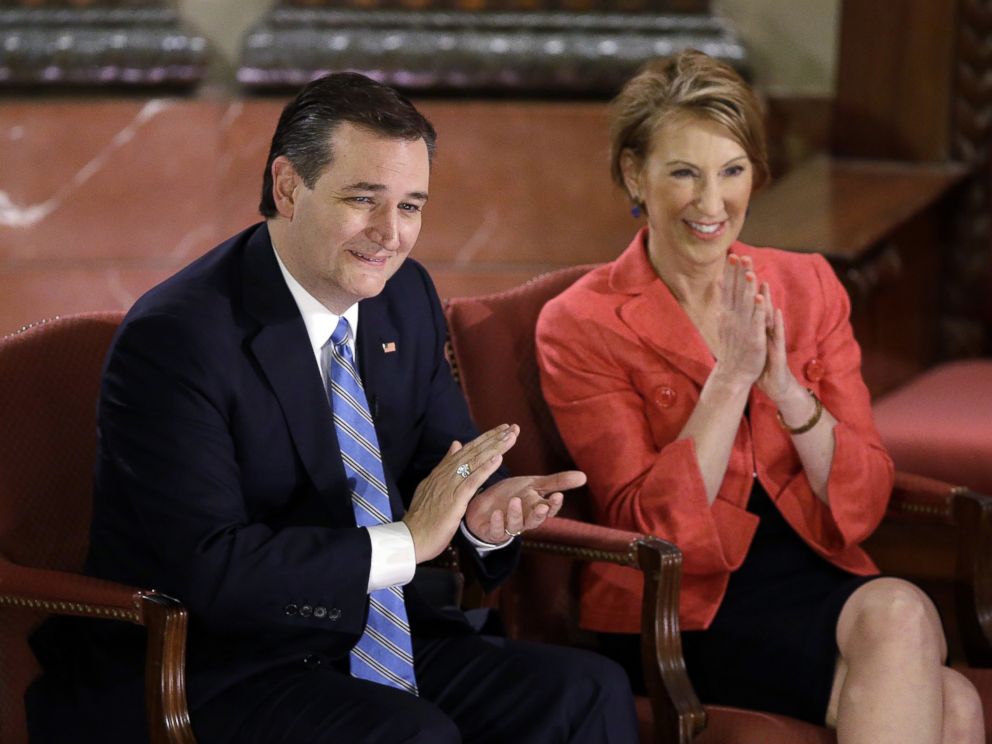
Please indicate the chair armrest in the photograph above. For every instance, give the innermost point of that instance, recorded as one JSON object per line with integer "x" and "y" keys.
{"x": 592, "y": 542}
{"x": 973, "y": 514}
{"x": 920, "y": 500}
{"x": 64, "y": 593}
{"x": 679, "y": 715}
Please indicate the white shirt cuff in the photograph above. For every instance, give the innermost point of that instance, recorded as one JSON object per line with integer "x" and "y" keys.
{"x": 482, "y": 547}
{"x": 394, "y": 560}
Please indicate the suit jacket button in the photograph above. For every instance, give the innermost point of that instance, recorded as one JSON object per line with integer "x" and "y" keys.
{"x": 306, "y": 611}
{"x": 666, "y": 396}
{"x": 291, "y": 609}
{"x": 319, "y": 612}
{"x": 312, "y": 661}
{"x": 814, "y": 370}
{"x": 334, "y": 614}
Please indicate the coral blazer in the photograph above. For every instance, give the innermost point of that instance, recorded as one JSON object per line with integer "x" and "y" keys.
{"x": 622, "y": 367}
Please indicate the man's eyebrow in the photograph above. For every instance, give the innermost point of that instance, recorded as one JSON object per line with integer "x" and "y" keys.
{"x": 367, "y": 186}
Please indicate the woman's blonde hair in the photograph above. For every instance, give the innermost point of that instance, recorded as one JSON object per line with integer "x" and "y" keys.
{"x": 690, "y": 82}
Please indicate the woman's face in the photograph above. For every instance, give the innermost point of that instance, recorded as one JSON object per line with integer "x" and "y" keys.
{"x": 696, "y": 183}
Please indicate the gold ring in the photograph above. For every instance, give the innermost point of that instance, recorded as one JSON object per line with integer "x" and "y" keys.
{"x": 511, "y": 534}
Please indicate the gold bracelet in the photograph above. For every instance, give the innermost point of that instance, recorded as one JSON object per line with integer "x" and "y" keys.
{"x": 813, "y": 420}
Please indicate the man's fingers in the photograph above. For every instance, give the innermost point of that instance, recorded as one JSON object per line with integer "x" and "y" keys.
{"x": 555, "y": 502}
{"x": 562, "y": 481}
{"x": 477, "y": 475}
{"x": 496, "y": 527}
{"x": 495, "y": 441}
{"x": 514, "y": 516}
{"x": 464, "y": 460}
{"x": 537, "y": 515}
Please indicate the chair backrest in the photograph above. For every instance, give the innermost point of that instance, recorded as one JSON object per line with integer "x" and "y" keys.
{"x": 492, "y": 344}
{"x": 49, "y": 381}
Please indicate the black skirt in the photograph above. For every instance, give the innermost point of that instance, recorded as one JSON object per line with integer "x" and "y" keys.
{"x": 772, "y": 645}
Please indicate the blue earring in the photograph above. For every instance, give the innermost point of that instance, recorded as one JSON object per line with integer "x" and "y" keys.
{"x": 635, "y": 211}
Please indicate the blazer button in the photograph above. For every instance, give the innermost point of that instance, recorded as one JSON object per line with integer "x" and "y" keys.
{"x": 291, "y": 609}
{"x": 306, "y": 611}
{"x": 312, "y": 661}
{"x": 666, "y": 397}
{"x": 319, "y": 612}
{"x": 334, "y": 614}
{"x": 814, "y": 370}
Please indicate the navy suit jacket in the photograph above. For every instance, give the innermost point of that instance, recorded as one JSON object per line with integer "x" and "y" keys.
{"x": 219, "y": 480}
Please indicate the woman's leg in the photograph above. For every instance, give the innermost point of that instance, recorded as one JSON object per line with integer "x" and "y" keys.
{"x": 891, "y": 685}
{"x": 963, "y": 717}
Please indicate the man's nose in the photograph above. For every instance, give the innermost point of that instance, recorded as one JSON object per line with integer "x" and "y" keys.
{"x": 384, "y": 228}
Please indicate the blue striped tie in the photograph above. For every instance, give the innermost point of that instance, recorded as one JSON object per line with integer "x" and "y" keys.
{"x": 383, "y": 654}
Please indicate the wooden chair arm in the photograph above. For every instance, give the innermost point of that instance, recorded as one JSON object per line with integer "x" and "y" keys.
{"x": 919, "y": 499}
{"x": 164, "y": 618}
{"x": 591, "y": 542}
{"x": 679, "y": 716}
{"x": 922, "y": 501}
{"x": 973, "y": 591}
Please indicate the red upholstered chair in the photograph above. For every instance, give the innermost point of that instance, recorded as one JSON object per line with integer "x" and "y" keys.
{"x": 492, "y": 348}
{"x": 940, "y": 423}
{"x": 49, "y": 378}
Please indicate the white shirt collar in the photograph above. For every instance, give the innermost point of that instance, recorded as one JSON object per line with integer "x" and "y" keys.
{"x": 320, "y": 321}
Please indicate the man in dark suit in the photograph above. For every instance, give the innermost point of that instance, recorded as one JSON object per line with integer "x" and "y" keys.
{"x": 282, "y": 444}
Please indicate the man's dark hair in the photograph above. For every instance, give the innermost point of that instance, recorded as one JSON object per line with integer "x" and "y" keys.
{"x": 306, "y": 124}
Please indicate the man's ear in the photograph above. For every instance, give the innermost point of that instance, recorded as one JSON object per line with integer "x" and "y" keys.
{"x": 285, "y": 181}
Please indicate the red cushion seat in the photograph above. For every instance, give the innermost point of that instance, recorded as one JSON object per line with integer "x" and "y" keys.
{"x": 940, "y": 424}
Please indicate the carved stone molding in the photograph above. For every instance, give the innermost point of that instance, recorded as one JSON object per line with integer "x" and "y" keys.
{"x": 84, "y": 43}
{"x": 540, "y": 52}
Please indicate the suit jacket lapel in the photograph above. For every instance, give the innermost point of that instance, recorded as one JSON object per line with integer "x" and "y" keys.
{"x": 655, "y": 316}
{"x": 378, "y": 369}
{"x": 282, "y": 348}
{"x": 375, "y": 330}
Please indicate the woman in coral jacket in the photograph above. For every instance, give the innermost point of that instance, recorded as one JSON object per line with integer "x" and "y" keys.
{"x": 712, "y": 393}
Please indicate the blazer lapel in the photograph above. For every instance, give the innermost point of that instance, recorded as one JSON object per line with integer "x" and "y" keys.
{"x": 655, "y": 316}
{"x": 282, "y": 349}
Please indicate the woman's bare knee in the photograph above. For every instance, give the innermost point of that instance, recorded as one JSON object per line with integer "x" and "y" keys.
{"x": 890, "y": 613}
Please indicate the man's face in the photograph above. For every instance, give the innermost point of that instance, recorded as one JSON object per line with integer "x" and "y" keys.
{"x": 344, "y": 238}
